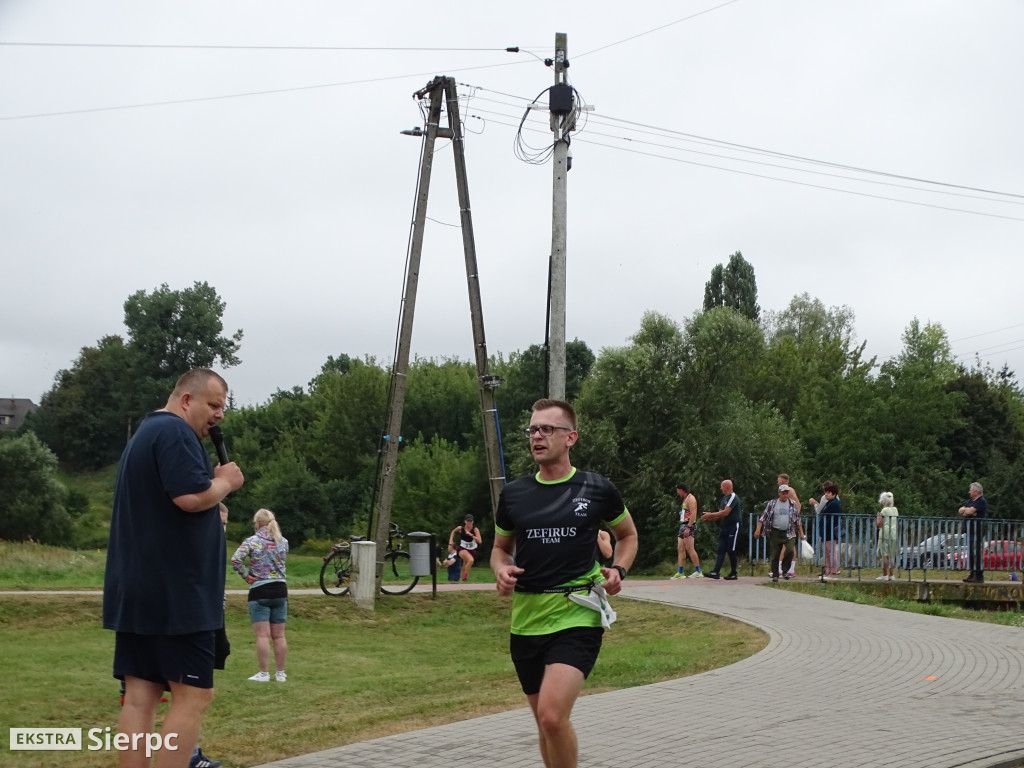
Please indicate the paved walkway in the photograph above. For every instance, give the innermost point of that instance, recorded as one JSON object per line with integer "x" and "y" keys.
{"x": 845, "y": 685}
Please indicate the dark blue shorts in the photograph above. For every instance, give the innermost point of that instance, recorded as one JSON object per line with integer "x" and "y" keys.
{"x": 186, "y": 659}
{"x": 578, "y": 647}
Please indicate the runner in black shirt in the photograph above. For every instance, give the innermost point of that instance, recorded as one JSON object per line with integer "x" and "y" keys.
{"x": 544, "y": 545}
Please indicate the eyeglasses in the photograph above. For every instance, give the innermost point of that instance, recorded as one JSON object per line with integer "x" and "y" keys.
{"x": 547, "y": 430}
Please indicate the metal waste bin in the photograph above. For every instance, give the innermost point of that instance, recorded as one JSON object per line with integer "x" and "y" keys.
{"x": 421, "y": 548}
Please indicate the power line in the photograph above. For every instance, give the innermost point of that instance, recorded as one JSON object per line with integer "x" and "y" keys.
{"x": 777, "y": 178}
{"x": 656, "y": 29}
{"x": 808, "y": 184}
{"x": 835, "y": 165}
{"x": 988, "y": 333}
{"x": 995, "y": 347}
{"x": 782, "y": 167}
{"x": 706, "y": 140}
{"x": 171, "y": 46}
{"x": 670, "y": 132}
{"x": 222, "y": 97}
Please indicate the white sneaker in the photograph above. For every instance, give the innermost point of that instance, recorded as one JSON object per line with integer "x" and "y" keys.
{"x": 883, "y": 577}
{"x": 892, "y": 578}
{"x": 696, "y": 575}
{"x": 261, "y": 677}
{"x": 280, "y": 675}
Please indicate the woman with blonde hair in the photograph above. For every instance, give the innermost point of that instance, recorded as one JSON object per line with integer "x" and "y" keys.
{"x": 266, "y": 551}
{"x": 888, "y": 535}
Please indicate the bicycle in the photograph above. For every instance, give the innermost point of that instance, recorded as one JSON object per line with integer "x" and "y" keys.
{"x": 336, "y": 572}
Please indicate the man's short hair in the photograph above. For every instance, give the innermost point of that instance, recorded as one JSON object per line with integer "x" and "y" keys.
{"x": 545, "y": 402}
{"x": 196, "y": 381}
{"x": 784, "y": 477}
{"x": 977, "y": 487}
{"x": 829, "y": 487}
{"x": 682, "y": 487}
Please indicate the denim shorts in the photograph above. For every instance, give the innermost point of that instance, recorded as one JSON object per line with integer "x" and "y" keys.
{"x": 272, "y": 609}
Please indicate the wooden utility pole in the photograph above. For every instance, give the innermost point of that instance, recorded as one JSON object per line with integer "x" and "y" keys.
{"x": 440, "y": 90}
{"x": 396, "y": 397}
{"x": 561, "y": 125}
{"x": 486, "y": 382}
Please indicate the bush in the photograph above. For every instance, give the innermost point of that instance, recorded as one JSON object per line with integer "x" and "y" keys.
{"x": 31, "y": 499}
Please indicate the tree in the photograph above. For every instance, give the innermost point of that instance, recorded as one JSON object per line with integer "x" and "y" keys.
{"x": 84, "y": 418}
{"x": 525, "y": 376}
{"x": 733, "y": 286}
{"x": 170, "y": 332}
{"x": 918, "y": 411}
{"x": 721, "y": 352}
{"x": 443, "y": 399}
{"x": 670, "y": 407}
{"x": 987, "y": 442}
{"x": 806, "y": 320}
{"x": 31, "y": 498}
{"x": 94, "y": 406}
{"x": 349, "y": 417}
{"x": 437, "y": 484}
{"x": 297, "y": 497}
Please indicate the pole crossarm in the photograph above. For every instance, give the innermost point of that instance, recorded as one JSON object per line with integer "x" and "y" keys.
{"x": 442, "y": 93}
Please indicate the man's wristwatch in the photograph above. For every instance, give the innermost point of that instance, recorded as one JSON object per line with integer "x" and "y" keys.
{"x": 622, "y": 571}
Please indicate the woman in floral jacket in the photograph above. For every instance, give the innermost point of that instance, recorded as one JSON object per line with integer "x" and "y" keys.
{"x": 266, "y": 551}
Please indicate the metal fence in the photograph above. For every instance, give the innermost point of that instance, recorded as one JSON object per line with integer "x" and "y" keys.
{"x": 925, "y": 543}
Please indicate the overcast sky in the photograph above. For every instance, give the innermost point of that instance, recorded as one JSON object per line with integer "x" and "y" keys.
{"x": 269, "y": 163}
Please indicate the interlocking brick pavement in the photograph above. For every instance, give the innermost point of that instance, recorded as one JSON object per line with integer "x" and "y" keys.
{"x": 839, "y": 685}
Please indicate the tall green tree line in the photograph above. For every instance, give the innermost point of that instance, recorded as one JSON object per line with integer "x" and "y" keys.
{"x": 730, "y": 391}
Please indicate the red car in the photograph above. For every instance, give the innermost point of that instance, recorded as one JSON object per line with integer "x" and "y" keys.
{"x": 1000, "y": 555}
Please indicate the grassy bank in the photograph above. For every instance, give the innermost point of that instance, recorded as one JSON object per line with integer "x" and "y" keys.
{"x": 37, "y": 566}
{"x": 413, "y": 662}
{"x": 852, "y": 593}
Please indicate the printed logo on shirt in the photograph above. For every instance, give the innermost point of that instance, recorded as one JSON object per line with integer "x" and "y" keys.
{"x": 550, "y": 535}
{"x": 581, "y": 506}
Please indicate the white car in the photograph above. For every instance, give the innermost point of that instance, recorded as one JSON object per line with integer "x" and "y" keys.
{"x": 931, "y": 553}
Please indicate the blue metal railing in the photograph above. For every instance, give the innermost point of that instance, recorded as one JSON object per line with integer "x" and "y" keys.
{"x": 925, "y": 543}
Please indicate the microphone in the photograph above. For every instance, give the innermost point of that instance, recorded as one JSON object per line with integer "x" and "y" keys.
{"x": 217, "y": 435}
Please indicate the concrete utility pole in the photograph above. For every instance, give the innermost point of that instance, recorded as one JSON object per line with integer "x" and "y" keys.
{"x": 561, "y": 105}
{"x": 441, "y": 90}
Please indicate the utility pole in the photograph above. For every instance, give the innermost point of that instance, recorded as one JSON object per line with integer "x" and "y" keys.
{"x": 441, "y": 90}
{"x": 486, "y": 382}
{"x": 396, "y": 397}
{"x": 560, "y": 103}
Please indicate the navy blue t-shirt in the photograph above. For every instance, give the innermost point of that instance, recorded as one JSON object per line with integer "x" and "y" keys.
{"x": 733, "y": 502}
{"x": 165, "y": 566}
{"x": 980, "y": 505}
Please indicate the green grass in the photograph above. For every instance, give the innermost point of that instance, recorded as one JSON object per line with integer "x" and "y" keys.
{"x": 40, "y": 567}
{"x": 353, "y": 675}
{"x": 852, "y": 593}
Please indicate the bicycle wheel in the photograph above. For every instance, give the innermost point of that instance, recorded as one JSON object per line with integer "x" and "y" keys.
{"x": 336, "y": 573}
{"x": 397, "y": 578}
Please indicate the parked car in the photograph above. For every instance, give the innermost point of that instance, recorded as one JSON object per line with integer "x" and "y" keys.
{"x": 998, "y": 555}
{"x": 933, "y": 551}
